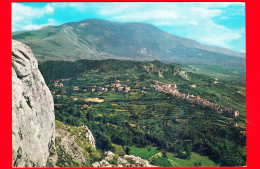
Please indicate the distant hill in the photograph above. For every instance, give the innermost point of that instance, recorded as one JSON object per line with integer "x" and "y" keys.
{"x": 54, "y": 70}
{"x": 99, "y": 39}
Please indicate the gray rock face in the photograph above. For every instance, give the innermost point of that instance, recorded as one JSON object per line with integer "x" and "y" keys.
{"x": 67, "y": 144}
{"x": 124, "y": 161}
{"x": 90, "y": 137}
{"x": 32, "y": 110}
{"x": 73, "y": 142}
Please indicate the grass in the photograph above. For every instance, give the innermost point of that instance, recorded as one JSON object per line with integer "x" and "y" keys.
{"x": 195, "y": 158}
{"x": 143, "y": 152}
{"x": 155, "y": 158}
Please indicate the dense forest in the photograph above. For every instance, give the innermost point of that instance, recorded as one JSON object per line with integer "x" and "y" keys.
{"x": 115, "y": 100}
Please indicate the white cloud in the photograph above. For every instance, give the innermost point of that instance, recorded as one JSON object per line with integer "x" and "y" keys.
{"x": 213, "y": 34}
{"x": 220, "y": 4}
{"x": 35, "y": 27}
{"x": 20, "y": 12}
{"x": 80, "y": 6}
{"x": 23, "y": 16}
{"x": 156, "y": 14}
{"x": 195, "y": 18}
{"x": 159, "y": 13}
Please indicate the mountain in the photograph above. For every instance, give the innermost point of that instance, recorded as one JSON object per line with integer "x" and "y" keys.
{"x": 99, "y": 39}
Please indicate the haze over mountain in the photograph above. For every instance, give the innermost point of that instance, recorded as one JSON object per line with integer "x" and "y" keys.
{"x": 100, "y": 39}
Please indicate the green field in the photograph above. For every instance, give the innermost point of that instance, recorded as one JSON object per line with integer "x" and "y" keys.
{"x": 155, "y": 157}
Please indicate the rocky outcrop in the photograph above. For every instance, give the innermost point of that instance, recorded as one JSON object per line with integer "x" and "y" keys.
{"x": 90, "y": 137}
{"x": 181, "y": 72}
{"x": 111, "y": 160}
{"x": 72, "y": 146}
{"x": 66, "y": 146}
{"x": 32, "y": 110}
{"x": 159, "y": 69}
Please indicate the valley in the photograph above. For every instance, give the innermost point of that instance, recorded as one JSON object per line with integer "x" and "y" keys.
{"x": 119, "y": 103}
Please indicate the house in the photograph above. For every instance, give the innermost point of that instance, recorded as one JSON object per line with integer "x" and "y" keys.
{"x": 92, "y": 89}
{"x": 127, "y": 89}
{"x": 58, "y": 84}
{"x": 76, "y": 88}
{"x": 85, "y": 105}
{"x": 120, "y": 89}
{"x": 113, "y": 84}
{"x": 118, "y": 85}
{"x": 193, "y": 86}
{"x": 104, "y": 89}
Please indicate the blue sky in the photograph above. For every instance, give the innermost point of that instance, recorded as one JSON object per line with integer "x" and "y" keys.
{"x": 212, "y": 23}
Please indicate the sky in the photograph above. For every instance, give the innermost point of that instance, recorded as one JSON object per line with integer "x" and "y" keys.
{"x": 212, "y": 23}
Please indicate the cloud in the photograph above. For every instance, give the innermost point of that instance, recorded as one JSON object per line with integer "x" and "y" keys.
{"x": 35, "y": 27}
{"x": 23, "y": 16}
{"x": 159, "y": 13}
{"x": 220, "y": 4}
{"x": 80, "y": 6}
{"x": 20, "y": 12}
{"x": 196, "y": 19}
{"x": 213, "y": 34}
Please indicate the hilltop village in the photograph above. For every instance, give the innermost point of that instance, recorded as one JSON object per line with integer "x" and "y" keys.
{"x": 115, "y": 86}
{"x": 171, "y": 88}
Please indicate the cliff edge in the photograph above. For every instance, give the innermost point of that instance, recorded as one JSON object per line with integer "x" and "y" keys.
{"x": 33, "y": 127}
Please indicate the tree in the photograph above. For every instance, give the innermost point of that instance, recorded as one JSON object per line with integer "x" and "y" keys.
{"x": 127, "y": 150}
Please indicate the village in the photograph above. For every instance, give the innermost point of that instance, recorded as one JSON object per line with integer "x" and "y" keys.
{"x": 117, "y": 85}
{"x": 171, "y": 88}
{"x": 168, "y": 88}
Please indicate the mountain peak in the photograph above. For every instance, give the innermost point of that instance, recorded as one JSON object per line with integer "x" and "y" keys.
{"x": 101, "y": 39}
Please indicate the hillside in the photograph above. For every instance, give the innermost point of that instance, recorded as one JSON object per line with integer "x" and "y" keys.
{"x": 99, "y": 39}
{"x": 117, "y": 100}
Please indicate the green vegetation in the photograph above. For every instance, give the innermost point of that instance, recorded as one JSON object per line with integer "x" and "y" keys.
{"x": 89, "y": 153}
{"x": 155, "y": 126}
{"x": 168, "y": 159}
{"x": 144, "y": 153}
{"x": 221, "y": 72}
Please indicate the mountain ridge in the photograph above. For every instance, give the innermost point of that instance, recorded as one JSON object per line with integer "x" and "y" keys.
{"x": 100, "y": 39}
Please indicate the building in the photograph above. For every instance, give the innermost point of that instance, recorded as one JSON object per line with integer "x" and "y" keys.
{"x": 92, "y": 89}
{"x": 127, "y": 89}
{"x": 118, "y": 85}
{"x": 120, "y": 89}
{"x": 76, "y": 88}
{"x": 193, "y": 86}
